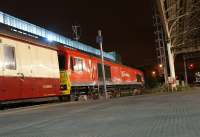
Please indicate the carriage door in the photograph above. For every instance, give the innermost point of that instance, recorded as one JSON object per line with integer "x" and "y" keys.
{"x": 11, "y": 82}
{"x": 107, "y": 72}
{"x": 25, "y": 71}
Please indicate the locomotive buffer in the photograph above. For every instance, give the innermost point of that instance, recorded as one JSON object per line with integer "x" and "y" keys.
{"x": 99, "y": 40}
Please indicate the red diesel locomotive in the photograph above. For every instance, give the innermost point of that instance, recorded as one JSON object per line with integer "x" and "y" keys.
{"x": 85, "y": 73}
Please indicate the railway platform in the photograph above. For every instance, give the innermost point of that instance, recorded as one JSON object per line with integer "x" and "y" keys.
{"x": 162, "y": 115}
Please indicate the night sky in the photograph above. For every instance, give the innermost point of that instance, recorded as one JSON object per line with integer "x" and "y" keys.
{"x": 126, "y": 25}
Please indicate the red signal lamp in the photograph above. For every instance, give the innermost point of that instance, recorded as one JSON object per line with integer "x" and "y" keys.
{"x": 191, "y": 66}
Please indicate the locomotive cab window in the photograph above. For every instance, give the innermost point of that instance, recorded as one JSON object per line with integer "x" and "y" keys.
{"x": 78, "y": 64}
{"x": 62, "y": 61}
{"x": 9, "y": 57}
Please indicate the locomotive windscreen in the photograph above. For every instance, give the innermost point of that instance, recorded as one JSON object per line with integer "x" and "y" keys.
{"x": 107, "y": 72}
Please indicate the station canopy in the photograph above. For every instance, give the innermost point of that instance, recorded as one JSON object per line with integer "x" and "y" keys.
{"x": 51, "y": 36}
{"x": 181, "y": 20}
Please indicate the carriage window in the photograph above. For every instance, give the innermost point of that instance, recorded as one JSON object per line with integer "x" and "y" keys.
{"x": 9, "y": 58}
{"x": 62, "y": 61}
{"x": 78, "y": 64}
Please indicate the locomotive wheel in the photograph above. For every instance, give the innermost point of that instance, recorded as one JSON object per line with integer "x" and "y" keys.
{"x": 64, "y": 98}
{"x": 1, "y": 106}
{"x": 137, "y": 92}
{"x": 118, "y": 94}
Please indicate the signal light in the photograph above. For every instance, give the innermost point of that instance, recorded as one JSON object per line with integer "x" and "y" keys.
{"x": 153, "y": 73}
{"x": 191, "y": 66}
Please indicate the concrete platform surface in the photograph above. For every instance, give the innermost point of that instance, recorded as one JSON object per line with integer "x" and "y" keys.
{"x": 167, "y": 115}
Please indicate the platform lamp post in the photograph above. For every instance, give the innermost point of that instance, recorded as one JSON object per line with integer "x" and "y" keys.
{"x": 99, "y": 40}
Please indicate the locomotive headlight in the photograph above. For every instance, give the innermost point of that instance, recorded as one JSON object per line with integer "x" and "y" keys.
{"x": 63, "y": 87}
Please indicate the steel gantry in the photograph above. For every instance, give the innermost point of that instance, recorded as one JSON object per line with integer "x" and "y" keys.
{"x": 160, "y": 46}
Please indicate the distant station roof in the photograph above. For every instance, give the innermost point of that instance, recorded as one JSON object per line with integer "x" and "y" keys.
{"x": 51, "y": 36}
